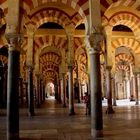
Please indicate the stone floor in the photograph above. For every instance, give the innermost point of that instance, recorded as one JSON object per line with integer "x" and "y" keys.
{"x": 52, "y": 122}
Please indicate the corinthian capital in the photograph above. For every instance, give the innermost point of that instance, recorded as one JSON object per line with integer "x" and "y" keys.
{"x": 93, "y": 42}
{"x": 14, "y": 41}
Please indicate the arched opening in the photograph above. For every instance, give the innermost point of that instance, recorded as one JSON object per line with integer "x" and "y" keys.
{"x": 50, "y": 90}
{"x": 50, "y": 25}
{"x": 122, "y": 28}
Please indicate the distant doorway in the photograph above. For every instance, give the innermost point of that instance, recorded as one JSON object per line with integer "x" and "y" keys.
{"x": 49, "y": 91}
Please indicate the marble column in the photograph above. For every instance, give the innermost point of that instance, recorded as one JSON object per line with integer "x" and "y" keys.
{"x": 14, "y": 41}
{"x": 70, "y": 90}
{"x": 5, "y": 86}
{"x": 70, "y": 30}
{"x": 109, "y": 90}
{"x": 93, "y": 46}
{"x": 30, "y": 66}
{"x": 136, "y": 88}
{"x": 131, "y": 89}
{"x": 41, "y": 92}
{"x": 30, "y": 91}
{"x": 59, "y": 91}
{"x": 1, "y": 83}
{"x": 38, "y": 90}
{"x": 114, "y": 91}
{"x": 64, "y": 89}
{"x": 26, "y": 92}
{"x": 21, "y": 91}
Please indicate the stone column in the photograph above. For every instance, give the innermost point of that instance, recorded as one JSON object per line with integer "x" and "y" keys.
{"x": 26, "y": 92}
{"x": 70, "y": 89}
{"x": 38, "y": 90}
{"x": 30, "y": 91}
{"x": 59, "y": 90}
{"x": 14, "y": 41}
{"x": 114, "y": 91}
{"x": 41, "y": 92}
{"x": 93, "y": 46}
{"x": 1, "y": 83}
{"x": 21, "y": 90}
{"x": 44, "y": 92}
{"x": 136, "y": 88}
{"x": 131, "y": 89}
{"x": 29, "y": 64}
{"x": 64, "y": 89}
{"x": 5, "y": 86}
{"x": 109, "y": 90}
{"x": 70, "y": 60}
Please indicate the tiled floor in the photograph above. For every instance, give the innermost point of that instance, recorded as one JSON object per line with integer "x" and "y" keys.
{"x": 52, "y": 122}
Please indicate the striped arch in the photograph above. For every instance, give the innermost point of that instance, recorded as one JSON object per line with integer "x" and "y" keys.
{"x": 78, "y": 42}
{"x": 125, "y": 68}
{"x": 124, "y": 57}
{"x": 127, "y": 19}
{"x": 127, "y": 3}
{"x": 52, "y": 15}
{"x": 80, "y": 6}
{"x": 58, "y": 42}
{"x": 81, "y": 56}
{"x": 130, "y": 43}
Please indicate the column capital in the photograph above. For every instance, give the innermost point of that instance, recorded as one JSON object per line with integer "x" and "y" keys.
{"x": 14, "y": 41}
{"x": 93, "y": 42}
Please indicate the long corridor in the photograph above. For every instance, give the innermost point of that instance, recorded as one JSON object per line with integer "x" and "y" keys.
{"x": 52, "y": 122}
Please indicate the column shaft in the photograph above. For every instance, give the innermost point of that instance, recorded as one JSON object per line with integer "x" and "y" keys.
{"x": 37, "y": 90}
{"x": 136, "y": 88}
{"x": 64, "y": 90}
{"x": 114, "y": 91}
{"x": 109, "y": 90}
{"x": 96, "y": 97}
{"x": 70, "y": 89}
{"x": 30, "y": 92}
{"x": 13, "y": 96}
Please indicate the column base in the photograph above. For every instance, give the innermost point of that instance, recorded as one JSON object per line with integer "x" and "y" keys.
{"x": 71, "y": 112}
{"x": 110, "y": 110}
{"x": 97, "y": 133}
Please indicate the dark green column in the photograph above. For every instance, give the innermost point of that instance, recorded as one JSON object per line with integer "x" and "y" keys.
{"x": 13, "y": 87}
{"x": 30, "y": 91}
